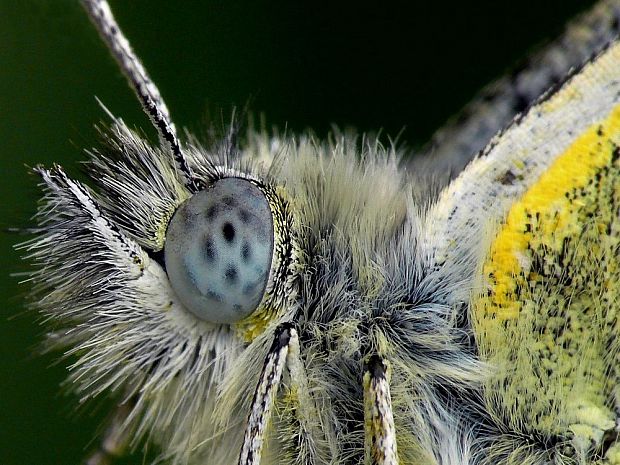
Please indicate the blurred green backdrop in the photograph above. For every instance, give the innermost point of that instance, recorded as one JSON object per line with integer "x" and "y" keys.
{"x": 304, "y": 64}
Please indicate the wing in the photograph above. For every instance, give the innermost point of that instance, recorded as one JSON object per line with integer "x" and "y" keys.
{"x": 464, "y": 135}
{"x": 546, "y": 194}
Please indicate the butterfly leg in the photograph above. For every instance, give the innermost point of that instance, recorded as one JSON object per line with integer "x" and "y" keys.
{"x": 264, "y": 396}
{"x": 115, "y": 438}
{"x": 380, "y": 433}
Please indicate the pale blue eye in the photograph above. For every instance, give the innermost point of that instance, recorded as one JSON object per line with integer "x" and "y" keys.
{"x": 218, "y": 250}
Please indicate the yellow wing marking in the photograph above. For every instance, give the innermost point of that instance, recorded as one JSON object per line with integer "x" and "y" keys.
{"x": 549, "y": 212}
{"x": 548, "y": 319}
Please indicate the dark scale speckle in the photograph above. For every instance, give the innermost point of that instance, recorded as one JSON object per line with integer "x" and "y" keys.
{"x": 508, "y": 178}
{"x": 228, "y": 231}
{"x": 210, "y": 252}
{"x": 231, "y": 274}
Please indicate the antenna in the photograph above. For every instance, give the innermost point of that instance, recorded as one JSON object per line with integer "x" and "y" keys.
{"x": 152, "y": 103}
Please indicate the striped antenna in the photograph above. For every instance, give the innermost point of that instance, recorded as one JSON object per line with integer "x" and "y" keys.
{"x": 152, "y": 103}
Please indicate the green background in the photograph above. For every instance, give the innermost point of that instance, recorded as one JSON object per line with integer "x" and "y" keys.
{"x": 303, "y": 64}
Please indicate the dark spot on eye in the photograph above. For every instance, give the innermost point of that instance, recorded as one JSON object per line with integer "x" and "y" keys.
{"x": 248, "y": 289}
{"x": 231, "y": 274}
{"x": 187, "y": 216}
{"x": 210, "y": 252}
{"x": 246, "y": 252}
{"x": 212, "y": 212}
{"x": 229, "y": 201}
{"x": 215, "y": 296}
{"x": 244, "y": 216}
{"x": 228, "y": 230}
{"x": 237, "y": 308}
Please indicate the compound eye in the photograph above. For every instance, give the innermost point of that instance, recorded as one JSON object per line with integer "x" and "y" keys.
{"x": 218, "y": 251}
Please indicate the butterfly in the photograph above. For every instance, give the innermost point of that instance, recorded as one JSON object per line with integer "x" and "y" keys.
{"x": 377, "y": 319}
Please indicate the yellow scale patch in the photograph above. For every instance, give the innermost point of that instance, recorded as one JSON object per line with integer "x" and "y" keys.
{"x": 548, "y": 323}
